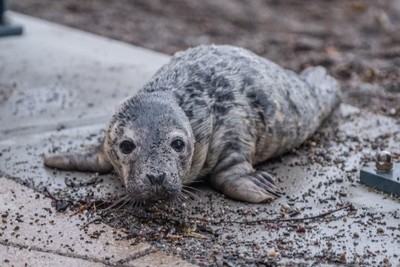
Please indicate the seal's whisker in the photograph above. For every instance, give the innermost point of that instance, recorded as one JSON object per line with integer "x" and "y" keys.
{"x": 138, "y": 204}
{"x": 119, "y": 203}
{"x": 189, "y": 194}
{"x": 114, "y": 204}
{"x": 174, "y": 201}
{"x": 122, "y": 204}
{"x": 132, "y": 204}
{"x": 181, "y": 197}
{"x": 188, "y": 187}
{"x": 188, "y": 198}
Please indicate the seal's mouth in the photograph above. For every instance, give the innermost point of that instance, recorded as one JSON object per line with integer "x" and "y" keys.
{"x": 158, "y": 192}
{"x": 167, "y": 192}
{"x": 153, "y": 192}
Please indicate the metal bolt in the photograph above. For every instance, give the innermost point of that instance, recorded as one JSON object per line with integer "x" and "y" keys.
{"x": 384, "y": 161}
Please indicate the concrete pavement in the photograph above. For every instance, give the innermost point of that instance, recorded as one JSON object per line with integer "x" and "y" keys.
{"x": 58, "y": 87}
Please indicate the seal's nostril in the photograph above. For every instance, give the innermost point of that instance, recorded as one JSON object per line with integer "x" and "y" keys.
{"x": 156, "y": 179}
{"x": 151, "y": 178}
{"x": 162, "y": 176}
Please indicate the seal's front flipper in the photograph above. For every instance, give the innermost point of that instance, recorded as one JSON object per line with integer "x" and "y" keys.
{"x": 254, "y": 186}
{"x": 95, "y": 161}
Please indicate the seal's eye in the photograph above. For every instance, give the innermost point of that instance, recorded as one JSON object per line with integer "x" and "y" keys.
{"x": 126, "y": 146}
{"x": 178, "y": 145}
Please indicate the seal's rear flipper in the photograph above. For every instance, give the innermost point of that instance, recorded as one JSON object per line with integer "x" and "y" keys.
{"x": 95, "y": 161}
{"x": 326, "y": 87}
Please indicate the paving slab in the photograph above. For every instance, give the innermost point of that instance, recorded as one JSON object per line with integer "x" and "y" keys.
{"x": 297, "y": 229}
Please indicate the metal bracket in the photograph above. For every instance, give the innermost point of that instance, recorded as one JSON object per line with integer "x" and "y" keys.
{"x": 388, "y": 182}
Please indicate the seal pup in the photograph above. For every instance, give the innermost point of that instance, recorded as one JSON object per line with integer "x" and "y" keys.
{"x": 213, "y": 112}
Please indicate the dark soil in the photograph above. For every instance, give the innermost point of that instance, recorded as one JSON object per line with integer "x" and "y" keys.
{"x": 358, "y": 41}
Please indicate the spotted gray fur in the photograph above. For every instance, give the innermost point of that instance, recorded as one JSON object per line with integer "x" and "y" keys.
{"x": 230, "y": 107}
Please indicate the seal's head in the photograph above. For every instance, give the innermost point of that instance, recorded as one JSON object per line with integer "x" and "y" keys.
{"x": 150, "y": 144}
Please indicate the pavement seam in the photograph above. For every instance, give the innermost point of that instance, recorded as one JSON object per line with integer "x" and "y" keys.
{"x": 19, "y": 181}
{"x": 10, "y": 133}
{"x": 69, "y": 255}
{"x": 137, "y": 255}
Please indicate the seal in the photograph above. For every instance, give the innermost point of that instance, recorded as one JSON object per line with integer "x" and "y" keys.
{"x": 213, "y": 112}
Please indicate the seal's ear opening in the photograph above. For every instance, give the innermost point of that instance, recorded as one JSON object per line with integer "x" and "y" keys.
{"x": 95, "y": 161}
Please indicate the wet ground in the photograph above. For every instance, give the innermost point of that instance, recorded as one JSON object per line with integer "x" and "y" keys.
{"x": 56, "y": 97}
{"x": 358, "y": 41}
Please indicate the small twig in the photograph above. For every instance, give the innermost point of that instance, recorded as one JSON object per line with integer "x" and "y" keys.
{"x": 49, "y": 195}
{"x": 81, "y": 209}
{"x": 90, "y": 222}
{"x": 349, "y": 206}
